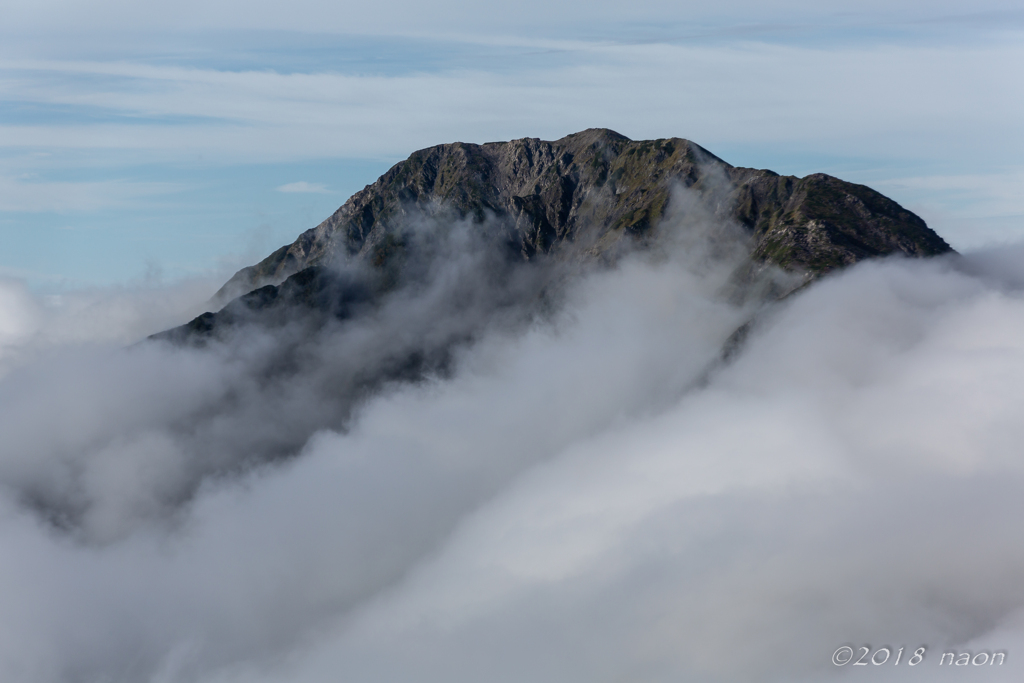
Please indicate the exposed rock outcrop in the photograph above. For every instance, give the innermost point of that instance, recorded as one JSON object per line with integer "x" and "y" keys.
{"x": 586, "y": 192}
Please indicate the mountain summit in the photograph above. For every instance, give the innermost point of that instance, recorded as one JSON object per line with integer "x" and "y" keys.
{"x": 592, "y": 189}
{"x": 585, "y": 197}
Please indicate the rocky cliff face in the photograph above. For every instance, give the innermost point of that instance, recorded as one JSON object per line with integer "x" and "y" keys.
{"x": 585, "y": 193}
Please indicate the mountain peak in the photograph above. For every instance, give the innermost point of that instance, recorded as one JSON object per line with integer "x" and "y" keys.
{"x": 587, "y": 191}
{"x": 591, "y": 135}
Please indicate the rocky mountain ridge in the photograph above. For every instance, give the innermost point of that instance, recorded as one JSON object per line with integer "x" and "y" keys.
{"x": 584, "y": 193}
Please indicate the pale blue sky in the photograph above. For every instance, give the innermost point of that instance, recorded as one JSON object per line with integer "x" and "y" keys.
{"x": 140, "y": 140}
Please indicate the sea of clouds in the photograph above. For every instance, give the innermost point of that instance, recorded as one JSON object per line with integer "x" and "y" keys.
{"x": 585, "y": 493}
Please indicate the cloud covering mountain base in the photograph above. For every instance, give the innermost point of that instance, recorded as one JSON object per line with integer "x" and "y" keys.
{"x": 575, "y": 499}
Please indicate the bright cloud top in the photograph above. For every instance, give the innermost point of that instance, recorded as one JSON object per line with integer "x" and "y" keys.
{"x": 578, "y": 501}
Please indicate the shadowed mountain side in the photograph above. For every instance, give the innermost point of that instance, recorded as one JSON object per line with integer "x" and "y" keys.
{"x": 313, "y": 290}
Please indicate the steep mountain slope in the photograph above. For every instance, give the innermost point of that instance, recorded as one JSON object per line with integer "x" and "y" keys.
{"x": 580, "y": 199}
{"x": 586, "y": 192}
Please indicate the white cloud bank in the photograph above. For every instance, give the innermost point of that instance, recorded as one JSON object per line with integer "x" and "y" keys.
{"x": 568, "y": 506}
{"x": 31, "y": 326}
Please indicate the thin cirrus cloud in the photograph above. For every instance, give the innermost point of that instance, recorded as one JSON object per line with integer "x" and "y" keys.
{"x": 403, "y": 17}
{"x": 39, "y": 196}
{"x": 926, "y": 92}
{"x": 302, "y": 187}
{"x": 920, "y": 109}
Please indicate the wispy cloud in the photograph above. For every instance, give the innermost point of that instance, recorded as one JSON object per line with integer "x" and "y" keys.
{"x": 18, "y": 195}
{"x": 888, "y": 101}
{"x": 409, "y": 18}
{"x": 303, "y": 187}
